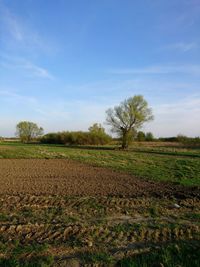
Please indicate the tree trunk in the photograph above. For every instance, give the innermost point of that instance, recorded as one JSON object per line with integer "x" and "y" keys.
{"x": 125, "y": 140}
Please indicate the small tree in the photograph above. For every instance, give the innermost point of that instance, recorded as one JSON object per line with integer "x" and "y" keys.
{"x": 141, "y": 136}
{"x": 149, "y": 137}
{"x": 96, "y": 128}
{"x": 128, "y": 116}
{"x": 27, "y": 131}
{"x": 181, "y": 138}
{"x": 98, "y": 135}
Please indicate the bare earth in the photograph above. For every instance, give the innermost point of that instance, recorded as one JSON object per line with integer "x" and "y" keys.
{"x": 64, "y": 177}
{"x": 76, "y": 208}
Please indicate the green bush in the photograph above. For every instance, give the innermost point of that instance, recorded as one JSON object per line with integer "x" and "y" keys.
{"x": 140, "y": 136}
{"x": 149, "y": 137}
{"x": 76, "y": 138}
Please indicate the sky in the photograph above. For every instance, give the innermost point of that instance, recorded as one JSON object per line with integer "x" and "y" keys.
{"x": 63, "y": 63}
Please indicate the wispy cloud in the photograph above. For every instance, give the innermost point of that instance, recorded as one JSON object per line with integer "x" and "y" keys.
{"x": 12, "y": 96}
{"x": 11, "y": 24}
{"x": 159, "y": 69}
{"x": 17, "y": 32}
{"x": 185, "y": 19}
{"x": 23, "y": 64}
{"x": 181, "y": 46}
{"x": 36, "y": 70}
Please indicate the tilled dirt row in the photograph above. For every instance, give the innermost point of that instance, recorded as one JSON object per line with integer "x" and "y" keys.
{"x": 118, "y": 225}
{"x": 95, "y": 235}
{"x": 76, "y": 209}
{"x": 64, "y": 177}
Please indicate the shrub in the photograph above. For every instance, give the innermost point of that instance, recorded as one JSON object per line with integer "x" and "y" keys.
{"x": 149, "y": 137}
{"x": 76, "y": 138}
{"x": 141, "y": 136}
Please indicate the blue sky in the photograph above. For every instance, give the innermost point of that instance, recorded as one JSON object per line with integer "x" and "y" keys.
{"x": 64, "y": 62}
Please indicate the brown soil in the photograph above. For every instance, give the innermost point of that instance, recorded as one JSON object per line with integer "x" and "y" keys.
{"x": 76, "y": 209}
{"x": 64, "y": 177}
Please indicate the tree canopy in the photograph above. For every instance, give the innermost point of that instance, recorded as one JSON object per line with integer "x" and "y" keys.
{"x": 96, "y": 128}
{"x": 27, "y": 131}
{"x": 129, "y": 116}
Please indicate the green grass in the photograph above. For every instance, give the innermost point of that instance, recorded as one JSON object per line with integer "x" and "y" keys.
{"x": 194, "y": 216}
{"x": 178, "y": 165}
{"x": 16, "y": 255}
{"x": 154, "y": 212}
{"x": 3, "y": 217}
{"x": 125, "y": 227}
{"x": 184, "y": 254}
{"x": 97, "y": 257}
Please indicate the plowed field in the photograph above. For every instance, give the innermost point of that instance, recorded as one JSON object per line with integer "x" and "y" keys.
{"x": 64, "y": 177}
{"x": 76, "y": 208}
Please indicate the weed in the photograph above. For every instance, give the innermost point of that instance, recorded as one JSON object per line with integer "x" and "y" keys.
{"x": 97, "y": 257}
{"x": 154, "y": 212}
{"x": 182, "y": 254}
{"x": 26, "y": 212}
{"x": 194, "y": 216}
{"x": 125, "y": 227}
{"x": 15, "y": 255}
{"x": 4, "y": 217}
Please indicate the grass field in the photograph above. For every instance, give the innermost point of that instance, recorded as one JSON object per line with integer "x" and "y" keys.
{"x": 99, "y": 206}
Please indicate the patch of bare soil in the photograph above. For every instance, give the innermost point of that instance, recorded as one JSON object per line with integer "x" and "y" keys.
{"x": 76, "y": 209}
{"x": 66, "y": 177}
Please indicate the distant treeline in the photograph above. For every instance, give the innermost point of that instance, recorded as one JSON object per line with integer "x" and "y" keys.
{"x": 92, "y": 137}
{"x": 76, "y": 138}
{"x": 181, "y": 139}
{"x": 96, "y": 135}
{"x": 101, "y": 138}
